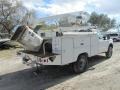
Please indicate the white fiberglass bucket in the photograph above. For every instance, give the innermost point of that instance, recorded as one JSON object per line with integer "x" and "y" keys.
{"x": 28, "y": 38}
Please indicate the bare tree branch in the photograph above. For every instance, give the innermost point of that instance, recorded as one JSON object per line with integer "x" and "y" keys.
{"x": 12, "y": 15}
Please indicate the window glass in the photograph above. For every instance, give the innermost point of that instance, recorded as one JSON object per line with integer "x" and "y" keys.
{"x": 99, "y": 34}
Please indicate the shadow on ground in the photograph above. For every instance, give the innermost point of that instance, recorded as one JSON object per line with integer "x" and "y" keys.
{"x": 50, "y": 76}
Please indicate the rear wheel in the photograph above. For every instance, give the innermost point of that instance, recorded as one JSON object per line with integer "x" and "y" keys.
{"x": 109, "y": 52}
{"x": 81, "y": 64}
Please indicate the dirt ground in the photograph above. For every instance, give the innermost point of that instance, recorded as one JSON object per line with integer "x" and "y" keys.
{"x": 102, "y": 74}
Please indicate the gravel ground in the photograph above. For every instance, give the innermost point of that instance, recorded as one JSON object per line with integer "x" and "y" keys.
{"x": 102, "y": 74}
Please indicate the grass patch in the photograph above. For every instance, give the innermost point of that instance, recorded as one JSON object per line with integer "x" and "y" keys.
{"x": 8, "y": 54}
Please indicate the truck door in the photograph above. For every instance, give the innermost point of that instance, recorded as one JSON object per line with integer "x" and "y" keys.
{"x": 103, "y": 43}
{"x": 67, "y": 50}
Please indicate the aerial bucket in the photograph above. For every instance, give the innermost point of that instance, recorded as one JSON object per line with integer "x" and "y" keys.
{"x": 27, "y": 37}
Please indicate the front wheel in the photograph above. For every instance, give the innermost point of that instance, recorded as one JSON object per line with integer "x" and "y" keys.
{"x": 81, "y": 64}
{"x": 109, "y": 52}
{"x": 114, "y": 40}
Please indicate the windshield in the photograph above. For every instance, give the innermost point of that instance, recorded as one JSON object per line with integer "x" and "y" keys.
{"x": 100, "y": 35}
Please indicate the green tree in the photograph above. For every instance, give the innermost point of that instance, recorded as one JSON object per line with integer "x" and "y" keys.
{"x": 102, "y": 21}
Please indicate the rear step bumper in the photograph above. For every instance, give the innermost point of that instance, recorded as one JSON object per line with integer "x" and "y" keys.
{"x": 32, "y": 59}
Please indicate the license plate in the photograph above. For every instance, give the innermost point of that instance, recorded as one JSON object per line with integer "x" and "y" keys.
{"x": 43, "y": 60}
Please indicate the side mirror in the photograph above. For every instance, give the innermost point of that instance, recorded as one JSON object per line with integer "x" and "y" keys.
{"x": 108, "y": 37}
{"x": 104, "y": 37}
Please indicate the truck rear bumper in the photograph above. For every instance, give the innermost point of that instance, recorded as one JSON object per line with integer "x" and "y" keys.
{"x": 32, "y": 60}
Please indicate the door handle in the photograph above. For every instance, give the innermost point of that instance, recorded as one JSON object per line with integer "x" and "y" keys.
{"x": 81, "y": 43}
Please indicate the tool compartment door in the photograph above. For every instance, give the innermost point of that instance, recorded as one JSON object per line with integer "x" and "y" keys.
{"x": 67, "y": 50}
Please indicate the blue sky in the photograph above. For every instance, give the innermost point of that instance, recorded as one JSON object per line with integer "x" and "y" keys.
{"x": 45, "y": 8}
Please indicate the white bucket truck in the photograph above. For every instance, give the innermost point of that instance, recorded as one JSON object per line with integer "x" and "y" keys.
{"x": 62, "y": 48}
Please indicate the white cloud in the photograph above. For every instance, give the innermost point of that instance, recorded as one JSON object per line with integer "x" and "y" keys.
{"x": 62, "y": 6}
{"x": 57, "y": 7}
{"x": 106, "y": 6}
{"x": 31, "y": 4}
{"x": 65, "y": 6}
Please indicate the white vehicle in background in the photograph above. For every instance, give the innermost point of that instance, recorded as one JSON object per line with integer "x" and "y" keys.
{"x": 62, "y": 48}
{"x": 115, "y": 36}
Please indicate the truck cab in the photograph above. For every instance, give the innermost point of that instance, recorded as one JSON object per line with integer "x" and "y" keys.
{"x": 103, "y": 41}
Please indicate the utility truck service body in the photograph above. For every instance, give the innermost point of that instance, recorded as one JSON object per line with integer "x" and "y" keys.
{"x": 62, "y": 48}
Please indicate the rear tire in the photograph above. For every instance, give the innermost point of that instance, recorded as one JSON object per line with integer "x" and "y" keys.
{"x": 109, "y": 52}
{"x": 81, "y": 64}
